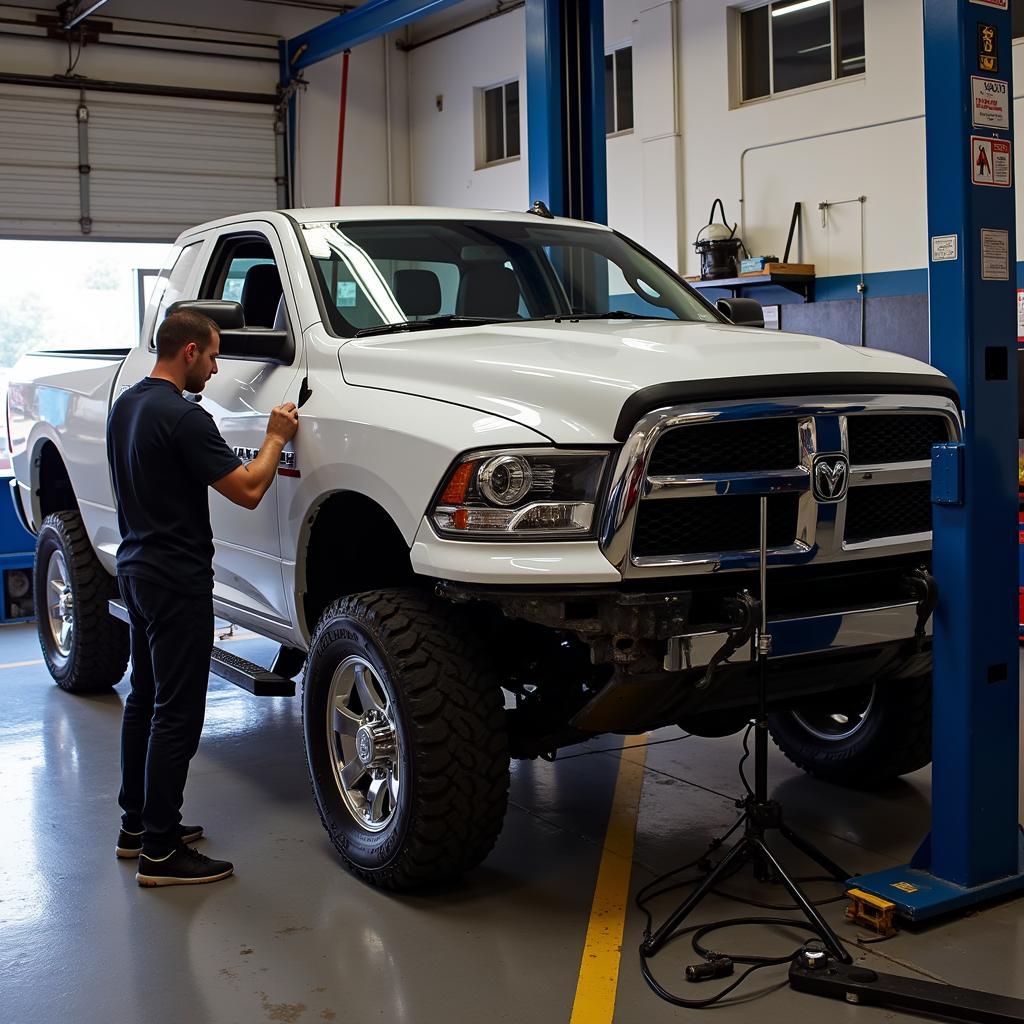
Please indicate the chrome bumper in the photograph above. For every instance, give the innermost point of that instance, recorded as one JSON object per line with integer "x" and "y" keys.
{"x": 816, "y": 634}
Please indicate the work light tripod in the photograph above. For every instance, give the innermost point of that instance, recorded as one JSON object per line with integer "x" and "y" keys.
{"x": 760, "y": 814}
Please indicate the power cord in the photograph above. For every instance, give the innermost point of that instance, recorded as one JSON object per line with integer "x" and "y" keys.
{"x": 714, "y": 964}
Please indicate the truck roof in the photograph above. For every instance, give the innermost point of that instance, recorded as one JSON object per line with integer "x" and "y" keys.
{"x": 322, "y": 214}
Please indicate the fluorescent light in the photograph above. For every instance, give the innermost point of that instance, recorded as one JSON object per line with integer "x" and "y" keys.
{"x": 802, "y": 5}
{"x": 854, "y": 60}
{"x": 814, "y": 49}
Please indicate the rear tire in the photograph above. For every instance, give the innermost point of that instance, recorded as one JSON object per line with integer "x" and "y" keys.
{"x": 85, "y": 648}
{"x": 890, "y": 736}
{"x": 405, "y": 739}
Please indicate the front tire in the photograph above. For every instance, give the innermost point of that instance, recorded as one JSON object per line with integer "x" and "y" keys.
{"x": 85, "y": 648}
{"x": 405, "y": 740}
{"x": 862, "y": 737}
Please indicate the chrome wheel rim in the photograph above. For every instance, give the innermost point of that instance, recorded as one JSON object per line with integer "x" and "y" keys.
{"x": 60, "y": 604}
{"x": 845, "y": 719}
{"x": 364, "y": 744}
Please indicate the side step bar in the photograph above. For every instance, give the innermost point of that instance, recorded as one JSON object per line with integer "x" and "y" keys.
{"x": 250, "y": 677}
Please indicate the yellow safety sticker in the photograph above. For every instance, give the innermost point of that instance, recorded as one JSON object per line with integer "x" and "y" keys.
{"x": 904, "y": 886}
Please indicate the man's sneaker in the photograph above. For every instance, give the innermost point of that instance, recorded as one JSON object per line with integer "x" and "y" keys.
{"x": 129, "y": 844}
{"x": 182, "y": 866}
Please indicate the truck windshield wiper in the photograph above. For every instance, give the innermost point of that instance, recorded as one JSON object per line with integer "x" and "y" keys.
{"x": 447, "y": 320}
{"x": 612, "y": 314}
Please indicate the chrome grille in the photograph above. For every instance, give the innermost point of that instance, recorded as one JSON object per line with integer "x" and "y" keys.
{"x": 892, "y": 510}
{"x": 882, "y": 438}
{"x": 741, "y": 446}
{"x": 714, "y": 524}
{"x": 685, "y": 495}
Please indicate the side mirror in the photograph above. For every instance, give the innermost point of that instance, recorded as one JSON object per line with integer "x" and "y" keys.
{"x": 235, "y": 338}
{"x": 228, "y": 316}
{"x": 742, "y": 312}
{"x": 258, "y": 343}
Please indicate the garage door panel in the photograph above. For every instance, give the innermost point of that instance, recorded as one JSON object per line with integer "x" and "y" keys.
{"x": 38, "y": 162}
{"x": 158, "y": 165}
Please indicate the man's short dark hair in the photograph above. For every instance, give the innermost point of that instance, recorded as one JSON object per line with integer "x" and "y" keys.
{"x": 181, "y": 328}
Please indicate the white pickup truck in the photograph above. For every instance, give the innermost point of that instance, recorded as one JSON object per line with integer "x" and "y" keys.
{"x": 522, "y": 509}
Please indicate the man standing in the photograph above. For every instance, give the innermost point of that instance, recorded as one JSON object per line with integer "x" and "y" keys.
{"x": 164, "y": 451}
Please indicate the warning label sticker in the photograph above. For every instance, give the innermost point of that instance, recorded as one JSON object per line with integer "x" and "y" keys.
{"x": 904, "y": 886}
{"x": 991, "y": 163}
{"x": 991, "y": 103}
{"x": 1003, "y": 5}
{"x": 943, "y": 248}
{"x": 995, "y": 255}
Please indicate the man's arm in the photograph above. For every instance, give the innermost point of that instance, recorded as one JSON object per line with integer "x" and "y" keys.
{"x": 247, "y": 484}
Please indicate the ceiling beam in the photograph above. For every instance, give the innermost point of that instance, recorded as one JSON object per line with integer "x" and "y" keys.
{"x": 372, "y": 19}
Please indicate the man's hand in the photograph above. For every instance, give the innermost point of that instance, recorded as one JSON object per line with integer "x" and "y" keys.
{"x": 247, "y": 484}
{"x": 284, "y": 421}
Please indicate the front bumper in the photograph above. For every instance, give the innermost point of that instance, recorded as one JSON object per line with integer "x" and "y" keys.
{"x": 799, "y": 637}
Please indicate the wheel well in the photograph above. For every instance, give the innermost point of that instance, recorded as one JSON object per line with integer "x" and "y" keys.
{"x": 54, "y": 483}
{"x": 354, "y": 545}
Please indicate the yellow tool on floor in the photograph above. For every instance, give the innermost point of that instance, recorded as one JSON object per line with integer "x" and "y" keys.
{"x": 872, "y": 912}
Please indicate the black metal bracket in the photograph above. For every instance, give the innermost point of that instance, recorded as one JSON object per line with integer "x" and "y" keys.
{"x": 816, "y": 972}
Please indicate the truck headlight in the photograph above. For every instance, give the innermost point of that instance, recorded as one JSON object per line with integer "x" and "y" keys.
{"x": 518, "y": 493}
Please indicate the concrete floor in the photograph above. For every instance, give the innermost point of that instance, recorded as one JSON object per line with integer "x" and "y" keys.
{"x": 293, "y": 938}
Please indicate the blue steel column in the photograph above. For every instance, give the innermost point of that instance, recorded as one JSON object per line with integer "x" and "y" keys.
{"x": 974, "y": 849}
{"x": 565, "y": 106}
{"x": 973, "y": 340}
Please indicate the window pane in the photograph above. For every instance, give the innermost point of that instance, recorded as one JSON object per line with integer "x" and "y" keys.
{"x": 754, "y": 31}
{"x": 1017, "y": 19}
{"x": 512, "y": 119}
{"x": 494, "y": 133}
{"x": 801, "y": 43}
{"x": 850, "y": 37}
{"x": 609, "y": 93}
{"x": 624, "y": 87}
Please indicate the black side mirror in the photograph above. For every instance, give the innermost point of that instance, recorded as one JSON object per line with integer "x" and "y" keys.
{"x": 228, "y": 316}
{"x": 235, "y": 338}
{"x": 258, "y": 343}
{"x": 742, "y": 312}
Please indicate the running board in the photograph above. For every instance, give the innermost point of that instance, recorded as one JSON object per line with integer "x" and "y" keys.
{"x": 249, "y": 676}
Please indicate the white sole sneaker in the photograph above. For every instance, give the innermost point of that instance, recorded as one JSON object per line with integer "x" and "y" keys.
{"x": 150, "y": 881}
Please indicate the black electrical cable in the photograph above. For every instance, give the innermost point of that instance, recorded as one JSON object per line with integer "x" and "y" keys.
{"x": 657, "y": 888}
{"x": 756, "y": 963}
{"x": 744, "y": 758}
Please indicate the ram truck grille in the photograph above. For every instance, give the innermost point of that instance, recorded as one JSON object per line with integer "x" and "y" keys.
{"x": 696, "y": 492}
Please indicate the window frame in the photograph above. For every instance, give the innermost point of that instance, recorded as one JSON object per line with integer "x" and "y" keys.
{"x": 616, "y": 131}
{"x": 480, "y": 104}
{"x": 737, "y": 54}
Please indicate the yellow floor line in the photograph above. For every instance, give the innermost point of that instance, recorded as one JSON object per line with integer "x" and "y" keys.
{"x": 22, "y": 664}
{"x": 602, "y": 952}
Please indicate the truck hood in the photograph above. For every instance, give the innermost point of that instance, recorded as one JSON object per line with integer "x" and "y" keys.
{"x": 570, "y": 381}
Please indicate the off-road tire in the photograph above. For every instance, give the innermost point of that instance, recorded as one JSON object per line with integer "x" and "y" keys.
{"x": 894, "y": 739}
{"x": 450, "y": 724}
{"x": 99, "y": 646}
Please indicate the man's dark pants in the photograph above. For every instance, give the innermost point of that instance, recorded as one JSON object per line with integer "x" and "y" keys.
{"x": 171, "y": 641}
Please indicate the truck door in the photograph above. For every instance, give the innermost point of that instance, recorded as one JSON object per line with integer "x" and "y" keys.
{"x": 247, "y": 266}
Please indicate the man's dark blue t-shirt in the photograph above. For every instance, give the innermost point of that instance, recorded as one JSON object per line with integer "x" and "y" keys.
{"x": 164, "y": 452}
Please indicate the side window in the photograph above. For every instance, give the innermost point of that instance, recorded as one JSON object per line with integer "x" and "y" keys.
{"x": 171, "y": 282}
{"x": 243, "y": 269}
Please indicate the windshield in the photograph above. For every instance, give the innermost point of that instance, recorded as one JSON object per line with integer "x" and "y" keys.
{"x": 375, "y": 273}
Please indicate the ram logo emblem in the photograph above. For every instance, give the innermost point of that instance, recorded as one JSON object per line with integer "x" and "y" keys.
{"x": 830, "y": 478}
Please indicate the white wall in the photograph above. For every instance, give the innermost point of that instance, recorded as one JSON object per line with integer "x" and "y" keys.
{"x": 443, "y": 142}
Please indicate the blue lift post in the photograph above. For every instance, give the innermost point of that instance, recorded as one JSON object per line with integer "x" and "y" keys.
{"x": 974, "y": 852}
{"x": 565, "y": 107}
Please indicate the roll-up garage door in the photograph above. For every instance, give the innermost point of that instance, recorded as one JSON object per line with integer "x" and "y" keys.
{"x": 157, "y": 165}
